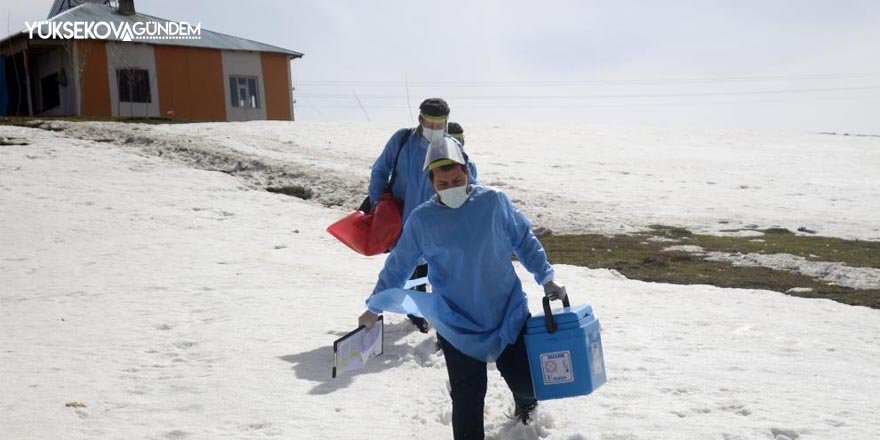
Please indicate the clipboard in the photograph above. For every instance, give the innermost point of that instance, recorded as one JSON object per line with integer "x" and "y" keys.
{"x": 352, "y": 351}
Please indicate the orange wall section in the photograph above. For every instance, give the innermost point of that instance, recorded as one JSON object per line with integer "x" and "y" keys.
{"x": 190, "y": 83}
{"x": 95, "y": 81}
{"x": 277, "y": 85}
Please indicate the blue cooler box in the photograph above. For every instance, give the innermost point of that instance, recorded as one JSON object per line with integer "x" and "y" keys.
{"x": 565, "y": 352}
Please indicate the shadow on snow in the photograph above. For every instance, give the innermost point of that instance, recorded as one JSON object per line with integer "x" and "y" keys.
{"x": 316, "y": 365}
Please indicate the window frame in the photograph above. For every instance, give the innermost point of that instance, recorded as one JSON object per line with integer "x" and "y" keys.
{"x": 250, "y": 85}
{"x": 128, "y": 87}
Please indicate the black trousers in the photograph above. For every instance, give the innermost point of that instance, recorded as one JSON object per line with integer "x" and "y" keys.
{"x": 467, "y": 377}
{"x": 420, "y": 272}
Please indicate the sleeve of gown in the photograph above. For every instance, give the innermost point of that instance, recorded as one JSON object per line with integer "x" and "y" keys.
{"x": 402, "y": 260}
{"x": 525, "y": 245}
{"x": 382, "y": 167}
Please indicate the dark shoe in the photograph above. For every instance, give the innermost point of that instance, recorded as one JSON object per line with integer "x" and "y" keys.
{"x": 420, "y": 323}
{"x": 524, "y": 412}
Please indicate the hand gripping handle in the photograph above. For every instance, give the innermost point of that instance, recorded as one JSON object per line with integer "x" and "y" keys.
{"x": 549, "y": 322}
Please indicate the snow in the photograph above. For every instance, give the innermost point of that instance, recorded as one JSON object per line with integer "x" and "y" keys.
{"x": 833, "y": 272}
{"x": 684, "y": 248}
{"x": 572, "y": 178}
{"x": 178, "y": 303}
{"x": 659, "y": 239}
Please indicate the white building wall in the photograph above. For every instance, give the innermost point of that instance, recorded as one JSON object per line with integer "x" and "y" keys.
{"x": 236, "y": 63}
{"x": 290, "y": 86}
{"x": 132, "y": 56}
{"x": 45, "y": 64}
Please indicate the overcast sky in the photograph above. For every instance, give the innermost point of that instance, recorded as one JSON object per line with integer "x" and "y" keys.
{"x": 801, "y": 64}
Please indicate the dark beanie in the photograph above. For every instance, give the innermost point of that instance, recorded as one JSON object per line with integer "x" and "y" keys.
{"x": 454, "y": 128}
{"x": 434, "y": 107}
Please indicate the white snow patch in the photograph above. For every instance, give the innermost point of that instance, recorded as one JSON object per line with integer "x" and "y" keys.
{"x": 659, "y": 239}
{"x": 684, "y": 248}
{"x": 739, "y": 233}
{"x": 833, "y": 272}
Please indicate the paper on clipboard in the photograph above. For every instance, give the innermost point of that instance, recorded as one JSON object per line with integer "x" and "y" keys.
{"x": 352, "y": 351}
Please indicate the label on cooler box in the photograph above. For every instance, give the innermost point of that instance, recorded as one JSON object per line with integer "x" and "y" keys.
{"x": 556, "y": 367}
{"x": 596, "y": 358}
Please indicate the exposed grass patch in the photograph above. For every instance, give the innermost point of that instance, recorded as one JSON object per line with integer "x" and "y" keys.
{"x": 292, "y": 190}
{"x": 152, "y": 121}
{"x": 637, "y": 257}
{"x": 779, "y": 240}
{"x": 42, "y": 121}
{"x": 16, "y": 121}
{"x": 670, "y": 231}
{"x": 5, "y": 142}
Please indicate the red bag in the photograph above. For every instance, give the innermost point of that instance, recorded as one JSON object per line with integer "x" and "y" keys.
{"x": 373, "y": 233}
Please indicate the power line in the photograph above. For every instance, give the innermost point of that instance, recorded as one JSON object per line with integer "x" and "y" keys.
{"x": 557, "y": 83}
{"x": 360, "y": 104}
{"x": 408, "y": 101}
{"x": 627, "y": 104}
{"x": 608, "y": 95}
{"x": 308, "y": 104}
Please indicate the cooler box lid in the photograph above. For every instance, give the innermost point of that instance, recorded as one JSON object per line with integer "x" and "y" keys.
{"x": 562, "y": 316}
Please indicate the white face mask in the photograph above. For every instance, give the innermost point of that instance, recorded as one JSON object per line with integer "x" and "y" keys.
{"x": 454, "y": 197}
{"x": 432, "y": 135}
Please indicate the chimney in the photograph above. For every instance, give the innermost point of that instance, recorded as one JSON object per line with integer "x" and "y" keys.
{"x": 125, "y": 7}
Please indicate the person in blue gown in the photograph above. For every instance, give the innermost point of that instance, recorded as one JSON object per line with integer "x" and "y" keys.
{"x": 467, "y": 234}
{"x": 403, "y": 157}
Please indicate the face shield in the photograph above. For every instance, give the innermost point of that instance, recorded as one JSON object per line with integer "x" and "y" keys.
{"x": 456, "y": 131}
{"x": 442, "y": 152}
{"x": 433, "y": 127}
{"x": 447, "y": 152}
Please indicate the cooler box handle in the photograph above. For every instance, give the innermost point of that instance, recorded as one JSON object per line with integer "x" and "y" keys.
{"x": 549, "y": 322}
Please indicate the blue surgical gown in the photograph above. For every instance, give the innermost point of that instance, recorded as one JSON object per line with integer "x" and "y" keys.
{"x": 411, "y": 184}
{"x": 477, "y": 302}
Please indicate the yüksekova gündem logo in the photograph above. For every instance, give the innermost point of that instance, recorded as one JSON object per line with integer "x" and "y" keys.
{"x": 122, "y": 31}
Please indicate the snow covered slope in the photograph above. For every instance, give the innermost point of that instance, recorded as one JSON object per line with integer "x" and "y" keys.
{"x": 570, "y": 178}
{"x": 176, "y": 303}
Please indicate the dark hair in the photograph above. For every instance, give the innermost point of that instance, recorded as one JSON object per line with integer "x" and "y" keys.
{"x": 447, "y": 167}
{"x": 454, "y": 128}
{"x": 434, "y": 107}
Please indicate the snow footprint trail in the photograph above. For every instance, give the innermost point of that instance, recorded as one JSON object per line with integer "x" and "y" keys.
{"x": 436, "y": 406}
{"x": 498, "y": 415}
{"x": 413, "y": 357}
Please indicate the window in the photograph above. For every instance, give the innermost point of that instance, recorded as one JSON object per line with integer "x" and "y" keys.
{"x": 51, "y": 94}
{"x": 243, "y": 91}
{"x": 134, "y": 85}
